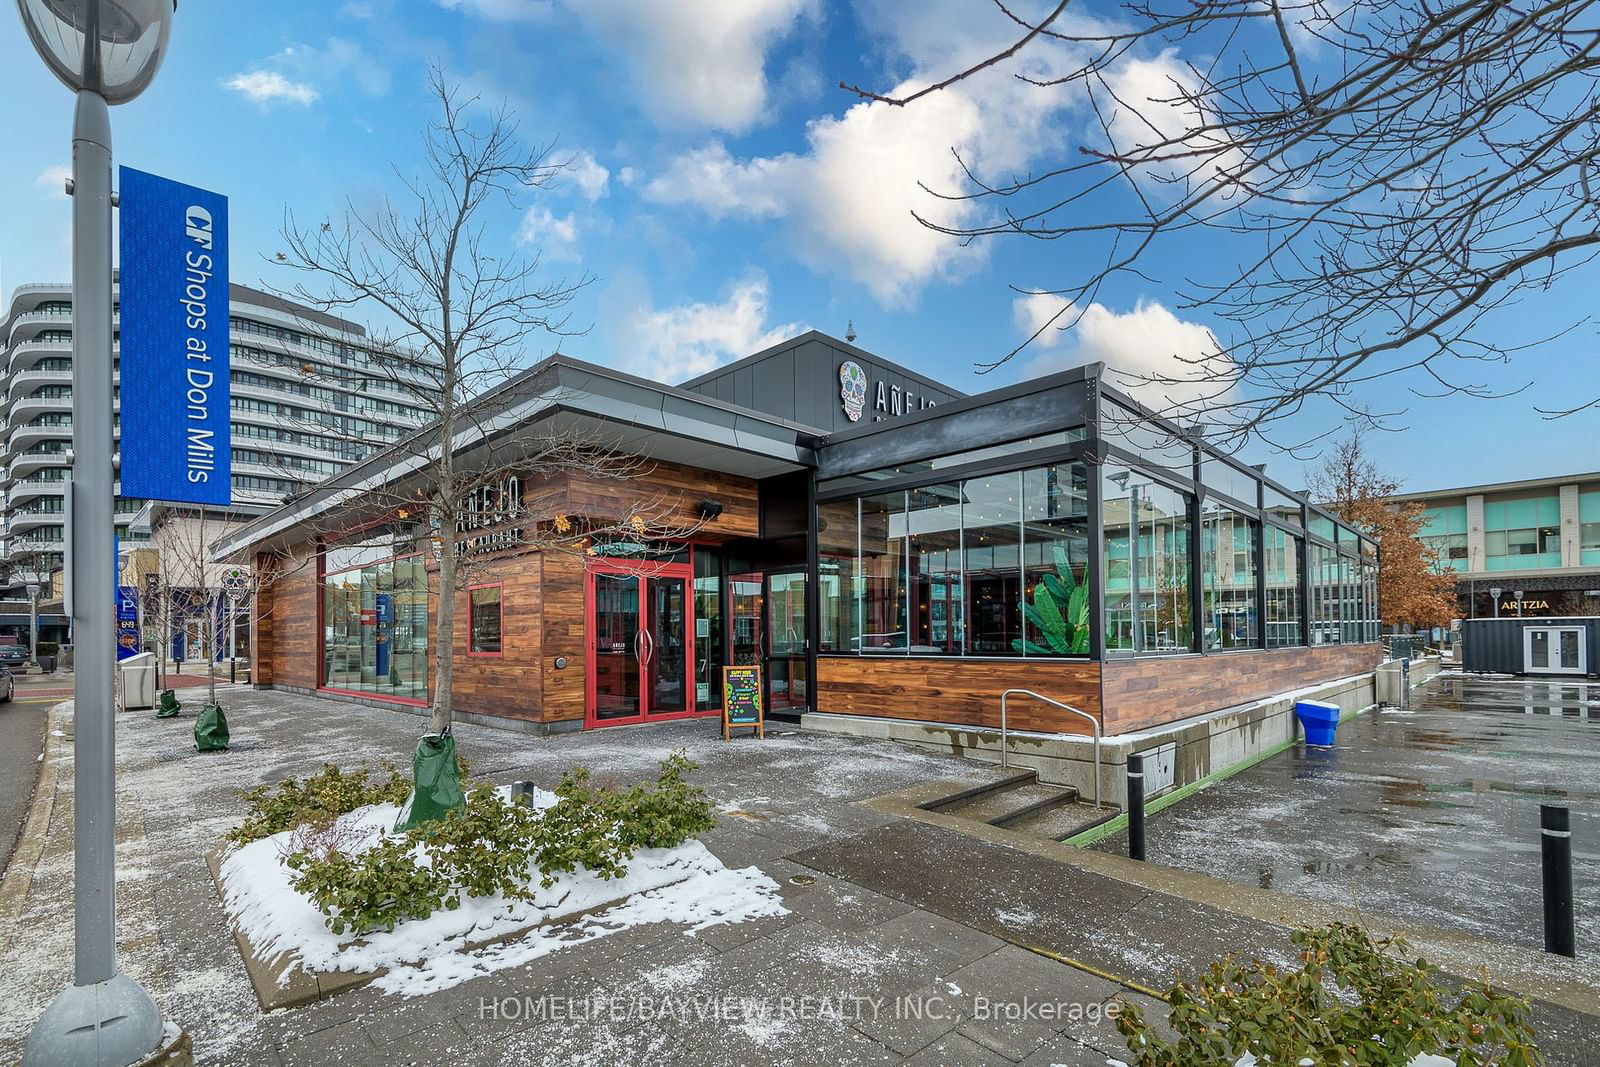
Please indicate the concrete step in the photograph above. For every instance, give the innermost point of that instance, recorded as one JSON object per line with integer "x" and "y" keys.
{"x": 1005, "y": 807}
{"x": 952, "y": 800}
{"x": 1062, "y": 821}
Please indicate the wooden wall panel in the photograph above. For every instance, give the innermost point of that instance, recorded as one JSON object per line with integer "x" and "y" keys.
{"x": 511, "y": 684}
{"x": 1158, "y": 689}
{"x": 965, "y": 692}
{"x": 667, "y": 493}
{"x": 290, "y": 645}
{"x": 564, "y": 635}
{"x": 261, "y": 646}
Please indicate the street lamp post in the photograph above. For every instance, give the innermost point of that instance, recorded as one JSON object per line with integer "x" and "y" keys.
{"x": 107, "y": 52}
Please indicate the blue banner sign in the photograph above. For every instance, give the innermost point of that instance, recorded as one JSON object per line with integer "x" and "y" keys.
{"x": 176, "y": 424}
{"x": 127, "y": 621}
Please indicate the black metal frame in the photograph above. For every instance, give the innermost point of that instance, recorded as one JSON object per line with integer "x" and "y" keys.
{"x": 1096, "y": 451}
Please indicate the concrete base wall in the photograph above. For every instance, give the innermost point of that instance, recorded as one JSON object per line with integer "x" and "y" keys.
{"x": 1391, "y": 677}
{"x": 1193, "y": 748}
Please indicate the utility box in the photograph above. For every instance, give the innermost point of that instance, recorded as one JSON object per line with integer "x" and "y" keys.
{"x": 138, "y": 681}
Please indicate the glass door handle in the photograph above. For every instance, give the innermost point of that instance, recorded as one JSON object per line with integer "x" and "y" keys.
{"x": 638, "y": 647}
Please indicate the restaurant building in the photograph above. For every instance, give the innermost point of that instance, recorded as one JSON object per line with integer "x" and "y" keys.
{"x": 887, "y": 549}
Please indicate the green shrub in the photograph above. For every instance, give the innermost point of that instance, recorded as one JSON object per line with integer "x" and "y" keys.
{"x": 46, "y": 648}
{"x": 486, "y": 848}
{"x": 1354, "y": 1002}
{"x": 373, "y": 890}
{"x": 494, "y": 846}
{"x": 663, "y": 816}
{"x": 324, "y": 796}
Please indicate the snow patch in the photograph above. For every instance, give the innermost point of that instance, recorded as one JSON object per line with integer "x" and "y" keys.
{"x": 686, "y": 885}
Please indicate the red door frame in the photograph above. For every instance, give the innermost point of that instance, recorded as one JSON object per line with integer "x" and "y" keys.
{"x": 641, "y": 572}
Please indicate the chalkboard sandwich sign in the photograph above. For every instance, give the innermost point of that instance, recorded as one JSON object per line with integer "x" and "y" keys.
{"x": 741, "y": 700}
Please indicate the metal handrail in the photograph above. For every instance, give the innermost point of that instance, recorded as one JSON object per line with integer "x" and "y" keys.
{"x": 1094, "y": 723}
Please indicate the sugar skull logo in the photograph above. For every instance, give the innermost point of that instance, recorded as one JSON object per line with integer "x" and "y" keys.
{"x": 853, "y": 389}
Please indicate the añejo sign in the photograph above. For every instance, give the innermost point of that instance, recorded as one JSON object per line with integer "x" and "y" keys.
{"x": 887, "y": 398}
{"x": 176, "y": 425}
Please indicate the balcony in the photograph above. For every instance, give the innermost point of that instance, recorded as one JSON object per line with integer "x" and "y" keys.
{"x": 26, "y": 408}
{"x": 30, "y": 489}
{"x": 23, "y": 519}
{"x": 25, "y": 463}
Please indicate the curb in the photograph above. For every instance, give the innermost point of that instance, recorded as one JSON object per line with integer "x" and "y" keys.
{"x": 30, "y": 844}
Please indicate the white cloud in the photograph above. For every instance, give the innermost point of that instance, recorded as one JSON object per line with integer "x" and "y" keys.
{"x": 1150, "y": 110}
{"x": 503, "y": 10}
{"x": 696, "y": 62}
{"x": 853, "y": 197}
{"x": 1146, "y": 343}
{"x": 712, "y": 180}
{"x": 677, "y": 343}
{"x": 1042, "y": 314}
{"x": 53, "y": 180}
{"x": 850, "y": 197}
{"x": 265, "y": 86}
{"x": 585, "y": 172}
{"x": 556, "y": 234}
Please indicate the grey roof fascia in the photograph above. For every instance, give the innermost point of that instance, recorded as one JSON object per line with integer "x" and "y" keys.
{"x": 1039, "y": 405}
{"x": 572, "y": 386}
{"x": 828, "y": 339}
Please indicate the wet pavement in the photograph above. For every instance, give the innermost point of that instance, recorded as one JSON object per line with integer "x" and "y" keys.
{"x": 1428, "y": 814}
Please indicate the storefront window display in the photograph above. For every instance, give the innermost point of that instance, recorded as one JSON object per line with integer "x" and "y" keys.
{"x": 375, "y": 619}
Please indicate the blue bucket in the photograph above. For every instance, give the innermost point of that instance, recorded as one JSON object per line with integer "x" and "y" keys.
{"x": 1318, "y": 720}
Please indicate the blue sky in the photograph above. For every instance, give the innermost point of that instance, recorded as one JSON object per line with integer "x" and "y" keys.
{"x": 723, "y": 192}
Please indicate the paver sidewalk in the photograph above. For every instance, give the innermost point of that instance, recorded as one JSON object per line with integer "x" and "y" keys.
{"x": 898, "y": 945}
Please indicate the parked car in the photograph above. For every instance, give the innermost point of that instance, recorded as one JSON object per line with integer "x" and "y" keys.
{"x": 13, "y": 656}
{"x": 8, "y": 688}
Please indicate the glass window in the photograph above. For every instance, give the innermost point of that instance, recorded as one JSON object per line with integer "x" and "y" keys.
{"x": 1155, "y": 559}
{"x": 1323, "y": 574}
{"x": 708, "y": 630}
{"x": 1137, "y": 433}
{"x": 1227, "y": 479}
{"x": 1321, "y": 525}
{"x": 991, "y": 566}
{"x": 484, "y": 611}
{"x": 883, "y": 573}
{"x": 1055, "y": 561}
{"x": 934, "y": 523}
{"x": 992, "y": 525}
{"x": 1281, "y": 506}
{"x": 1228, "y": 581}
{"x": 375, "y": 626}
{"x": 1349, "y": 601}
{"x": 837, "y": 545}
{"x": 1284, "y": 588}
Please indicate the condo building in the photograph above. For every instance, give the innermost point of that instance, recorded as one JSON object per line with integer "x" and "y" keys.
{"x": 306, "y": 402}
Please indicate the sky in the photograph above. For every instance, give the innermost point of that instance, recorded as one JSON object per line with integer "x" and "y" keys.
{"x": 721, "y": 192}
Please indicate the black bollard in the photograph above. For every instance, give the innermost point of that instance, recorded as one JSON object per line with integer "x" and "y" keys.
{"x": 1555, "y": 839}
{"x": 1136, "y": 807}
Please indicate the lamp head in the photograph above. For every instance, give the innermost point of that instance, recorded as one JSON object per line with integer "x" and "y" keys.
{"x": 110, "y": 47}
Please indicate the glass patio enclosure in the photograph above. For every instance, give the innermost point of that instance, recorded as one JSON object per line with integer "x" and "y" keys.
{"x": 1118, "y": 537}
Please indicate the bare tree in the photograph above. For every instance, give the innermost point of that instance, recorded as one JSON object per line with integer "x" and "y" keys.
{"x": 463, "y": 308}
{"x": 192, "y": 586}
{"x": 1388, "y": 173}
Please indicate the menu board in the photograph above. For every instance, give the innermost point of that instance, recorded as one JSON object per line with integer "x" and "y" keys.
{"x": 741, "y": 700}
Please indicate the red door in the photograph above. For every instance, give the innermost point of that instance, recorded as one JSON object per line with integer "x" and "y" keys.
{"x": 640, "y": 642}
